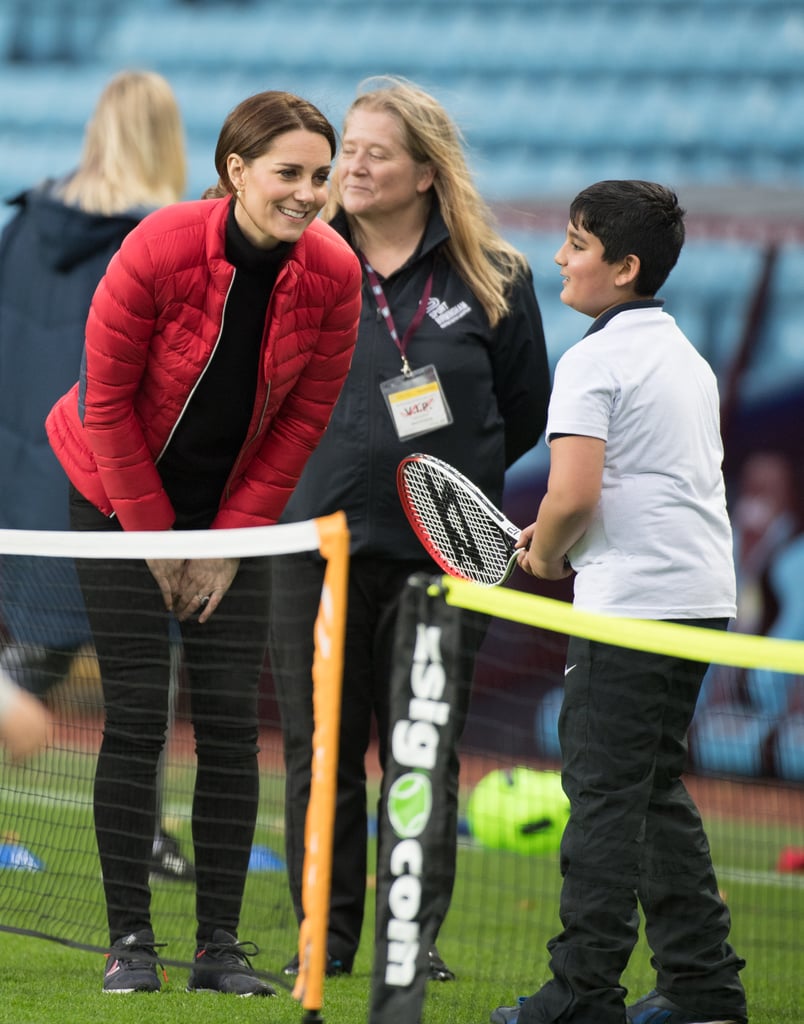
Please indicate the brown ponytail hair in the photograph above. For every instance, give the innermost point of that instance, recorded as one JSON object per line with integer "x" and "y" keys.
{"x": 252, "y": 127}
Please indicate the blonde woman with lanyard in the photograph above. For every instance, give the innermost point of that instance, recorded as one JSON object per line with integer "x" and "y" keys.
{"x": 449, "y": 313}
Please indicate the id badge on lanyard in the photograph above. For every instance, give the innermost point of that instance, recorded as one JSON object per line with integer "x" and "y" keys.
{"x": 415, "y": 399}
{"x": 416, "y": 402}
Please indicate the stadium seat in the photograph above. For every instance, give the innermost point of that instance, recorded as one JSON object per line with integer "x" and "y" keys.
{"x": 52, "y": 30}
{"x": 786, "y": 121}
{"x": 789, "y": 749}
{"x": 193, "y": 38}
{"x": 709, "y": 291}
{"x": 36, "y": 156}
{"x": 730, "y": 738}
{"x": 744, "y": 109}
{"x": 546, "y": 723}
{"x": 49, "y": 96}
{"x": 777, "y": 44}
{"x": 8, "y": 19}
{"x": 562, "y": 326}
{"x": 778, "y": 360}
{"x": 773, "y": 692}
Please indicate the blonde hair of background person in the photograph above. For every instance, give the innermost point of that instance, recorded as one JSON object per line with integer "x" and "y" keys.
{"x": 134, "y": 148}
{"x": 58, "y": 241}
{"x": 486, "y": 261}
{"x": 25, "y": 724}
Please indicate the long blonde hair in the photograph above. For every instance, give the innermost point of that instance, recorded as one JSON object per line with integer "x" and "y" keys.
{"x": 134, "y": 153}
{"x": 485, "y": 261}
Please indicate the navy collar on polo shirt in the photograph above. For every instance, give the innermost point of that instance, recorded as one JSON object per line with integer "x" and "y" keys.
{"x": 604, "y": 318}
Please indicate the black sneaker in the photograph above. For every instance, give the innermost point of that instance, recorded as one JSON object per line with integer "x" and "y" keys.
{"x": 131, "y": 964}
{"x": 438, "y": 970}
{"x": 223, "y": 965}
{"x": 167, "y": 860}
{"x": 335, "y": 967}
{"x": 657, "y": 1009}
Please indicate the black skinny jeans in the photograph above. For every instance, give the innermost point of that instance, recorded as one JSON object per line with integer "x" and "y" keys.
{"x": 634, "y": 836}
{"x": 223, "y": 661}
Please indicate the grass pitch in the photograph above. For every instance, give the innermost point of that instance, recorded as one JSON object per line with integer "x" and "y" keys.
{"x": 503, "y": 912}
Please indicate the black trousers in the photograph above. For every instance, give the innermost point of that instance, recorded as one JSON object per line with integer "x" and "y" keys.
{"x": 634, "y": 836}
{"x": 375, "y": 587}
{"x": 223, "y": 662}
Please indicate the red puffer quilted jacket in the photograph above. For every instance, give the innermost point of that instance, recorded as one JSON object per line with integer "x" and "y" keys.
{"x": 153, "y": 326}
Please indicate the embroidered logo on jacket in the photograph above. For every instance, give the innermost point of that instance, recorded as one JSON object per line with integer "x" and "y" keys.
{"x": 445, "y": 315}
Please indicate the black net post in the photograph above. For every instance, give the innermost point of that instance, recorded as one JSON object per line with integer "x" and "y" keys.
{"x": 413, "y": 874}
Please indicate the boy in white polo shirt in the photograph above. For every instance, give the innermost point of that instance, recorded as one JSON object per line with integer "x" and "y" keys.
{"x": 636, "y": 502}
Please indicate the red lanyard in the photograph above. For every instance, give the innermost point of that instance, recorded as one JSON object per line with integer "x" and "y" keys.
{"x": 383, "y": 307}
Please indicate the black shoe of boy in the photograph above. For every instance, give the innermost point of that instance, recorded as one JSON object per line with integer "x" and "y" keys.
{"x": 658, "y": 1009}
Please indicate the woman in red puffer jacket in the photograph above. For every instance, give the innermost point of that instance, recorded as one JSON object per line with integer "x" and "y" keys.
{"x": 216, "y": 346}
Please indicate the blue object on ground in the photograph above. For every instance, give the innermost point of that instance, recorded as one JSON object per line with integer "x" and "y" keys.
{"x": 264, "y": 859}
{"x": 18, "y": 858}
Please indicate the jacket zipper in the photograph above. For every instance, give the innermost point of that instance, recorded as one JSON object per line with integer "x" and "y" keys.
{"x": 200, "y": 376}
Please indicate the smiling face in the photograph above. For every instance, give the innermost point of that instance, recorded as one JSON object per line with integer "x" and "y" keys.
{"x": 590, "y": 284}
{"x": 377, "y": 175}
{"x": 281, "y": 192}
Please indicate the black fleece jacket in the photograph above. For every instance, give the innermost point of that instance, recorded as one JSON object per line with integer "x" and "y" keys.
{"x": 496, "y": 381}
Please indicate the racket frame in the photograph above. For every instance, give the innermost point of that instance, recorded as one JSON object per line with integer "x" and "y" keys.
{"x": 509, "y": 532}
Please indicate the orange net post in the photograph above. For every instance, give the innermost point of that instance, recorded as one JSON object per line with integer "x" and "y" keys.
{"x": 330, "y": 630}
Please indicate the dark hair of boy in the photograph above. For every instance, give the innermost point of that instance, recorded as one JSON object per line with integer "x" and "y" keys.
{"x": 639, "y": 217}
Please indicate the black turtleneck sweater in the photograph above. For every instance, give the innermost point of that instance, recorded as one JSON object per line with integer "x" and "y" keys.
{"x": 205, "y": 444}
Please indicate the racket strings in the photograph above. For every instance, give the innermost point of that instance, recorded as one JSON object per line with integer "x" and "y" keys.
{"x": 464, "y": 538}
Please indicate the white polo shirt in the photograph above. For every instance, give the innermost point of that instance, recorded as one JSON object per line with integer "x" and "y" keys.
{"x": 660, "y": 545}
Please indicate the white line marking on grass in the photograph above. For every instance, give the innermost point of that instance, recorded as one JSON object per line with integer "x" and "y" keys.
{"x": 777, "y": 879}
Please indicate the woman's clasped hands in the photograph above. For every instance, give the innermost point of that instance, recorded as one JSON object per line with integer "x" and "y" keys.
{"x": 193, "y": 586}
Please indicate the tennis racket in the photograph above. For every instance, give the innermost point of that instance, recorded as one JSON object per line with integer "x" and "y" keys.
{"x": 462, "y": 531}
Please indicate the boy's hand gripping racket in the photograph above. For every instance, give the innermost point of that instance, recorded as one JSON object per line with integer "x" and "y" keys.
{"x": 461, "y": 529}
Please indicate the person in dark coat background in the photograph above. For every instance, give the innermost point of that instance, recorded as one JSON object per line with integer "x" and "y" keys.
{"x": 53, "y": 252}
